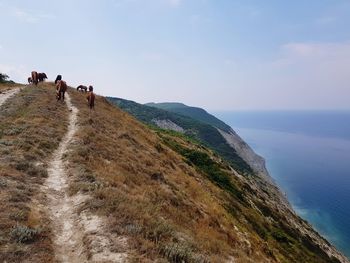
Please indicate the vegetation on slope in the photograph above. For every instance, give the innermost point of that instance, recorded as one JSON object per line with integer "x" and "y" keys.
{"x": 171, "y": 198}
{"x": 201, "y": 131}
{"x": 174, "y": 199}
{"x": 192, "y": 112}
{"x": 31, "y": 126}
{"x": 269, "y": 224}
{"x": 4, "y": 79}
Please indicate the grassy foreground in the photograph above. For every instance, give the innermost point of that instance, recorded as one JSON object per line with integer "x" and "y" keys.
{"x": 31, "y": 126}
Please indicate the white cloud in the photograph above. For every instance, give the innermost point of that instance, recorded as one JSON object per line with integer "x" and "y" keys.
{"x": 152, "y": 56}
{"x": 300, "y": 75}
{"x": 300, "y": 49}
{"x": 171, "y": 3}
{"x": 313, "y": 55}
{"x": 326, "y": 20}
{"x": 25, "y": 16}
{"x": 313, "y": 74}
{"x": 174, "y": 3}
{"x": 317, "y": 52}
{"x": 30, "y": 17}
{"x": 17, "y": 73}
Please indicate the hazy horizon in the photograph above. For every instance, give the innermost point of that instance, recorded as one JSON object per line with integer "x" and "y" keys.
{"x": 227, "y": 55}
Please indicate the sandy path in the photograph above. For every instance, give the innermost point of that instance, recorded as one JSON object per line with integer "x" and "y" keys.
{"x": 77, "y": 237}
{"x": 7, "y": 94}
{"x": 66, "y": 230}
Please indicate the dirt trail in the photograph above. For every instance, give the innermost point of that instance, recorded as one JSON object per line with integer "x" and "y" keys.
{"x": 7, "y": 94}
{"x": 77, "y": 237}
{"x": 67, "y": 235}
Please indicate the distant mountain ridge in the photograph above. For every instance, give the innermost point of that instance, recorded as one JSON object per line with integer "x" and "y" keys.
{"x": 193, "y": 112}
{"x": 256, "y": 162}
{"x": 195, "y": 127}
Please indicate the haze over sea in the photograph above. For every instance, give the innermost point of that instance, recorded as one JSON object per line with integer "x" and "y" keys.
{"x": 308, "y": 155}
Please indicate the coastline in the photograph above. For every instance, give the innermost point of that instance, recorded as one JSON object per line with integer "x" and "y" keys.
{"x": 318, "y": 219}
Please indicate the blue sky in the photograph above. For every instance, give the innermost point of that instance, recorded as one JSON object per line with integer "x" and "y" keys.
{"x": 217, "y": 54}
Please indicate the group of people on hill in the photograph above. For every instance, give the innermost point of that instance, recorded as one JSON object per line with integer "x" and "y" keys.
{"x": 61, "y": 87}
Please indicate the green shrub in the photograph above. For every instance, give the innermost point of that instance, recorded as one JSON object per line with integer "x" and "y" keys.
{"x": 209, "y": 167}
{"x": 159, "y": 230}
{"x": 258, "y": 227}
{"x": 176, "y": 253}
{"x": 3, "y": 183}
{"x": 280, "y": 236}
{"x": 3, "y": 78}
{"x": 24, "y": 234}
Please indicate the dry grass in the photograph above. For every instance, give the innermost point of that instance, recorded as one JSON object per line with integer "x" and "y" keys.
{"x": 165, "y": 207}
{"x": 169, "y": 207}
{"x": 151, "y": 186}
{"x": 29, "y": 132}
{"x": 7, "y": 86}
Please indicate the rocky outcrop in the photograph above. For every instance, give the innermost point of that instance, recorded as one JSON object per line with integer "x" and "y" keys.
{"x": 168, "y": 125}
{"x": 256, "y": 162}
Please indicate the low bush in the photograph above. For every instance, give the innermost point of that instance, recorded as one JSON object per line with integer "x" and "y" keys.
{"x": 176, "y": 253}
{"x": 280, "y": 236}
{"x": 24, "y": 234}
{"x": 209, "y": 167}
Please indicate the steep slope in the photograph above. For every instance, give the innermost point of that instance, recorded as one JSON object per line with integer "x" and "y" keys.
{"x": 142, "y": 195}
{"x": 182, "y": 202}
{"x": 206, "y": 133}
{"x": 192, "y": 112}
{"x": 256, "y": 162}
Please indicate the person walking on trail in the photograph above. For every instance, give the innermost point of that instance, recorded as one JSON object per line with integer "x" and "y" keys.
{"x": 91, "y": 98}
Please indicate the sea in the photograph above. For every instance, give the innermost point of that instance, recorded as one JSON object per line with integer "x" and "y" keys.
{"x": 308, "y": 155}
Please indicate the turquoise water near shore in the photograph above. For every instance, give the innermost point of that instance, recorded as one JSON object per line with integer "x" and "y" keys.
{"x": 308, "y": 155}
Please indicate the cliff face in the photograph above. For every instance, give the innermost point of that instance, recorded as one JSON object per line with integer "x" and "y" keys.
{"x": 256, "y": 162}
{"x": 168, "y": 125}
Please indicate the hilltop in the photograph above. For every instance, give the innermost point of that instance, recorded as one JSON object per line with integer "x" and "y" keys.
{"x": 202, "y": 126}
{"x": 124, "y": 191}
{"x": 192, "y": 112}
{"x": 204, "y": 132}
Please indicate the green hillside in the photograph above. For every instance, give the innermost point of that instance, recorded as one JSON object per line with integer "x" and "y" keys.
{"x": 194, "y": 128}
{"x": 193, "y": 112}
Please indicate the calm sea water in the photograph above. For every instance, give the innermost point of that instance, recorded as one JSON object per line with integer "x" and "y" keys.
{"x": 308, "y": 155}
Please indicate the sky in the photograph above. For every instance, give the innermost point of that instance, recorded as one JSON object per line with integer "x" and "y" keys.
{"x": 216, "y": 54}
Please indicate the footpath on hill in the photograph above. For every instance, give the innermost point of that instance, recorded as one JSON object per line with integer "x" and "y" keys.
{"x": 40, "y": 221}
{"x": 67, "y": 236}
{"x": 4, "y": 96}
{"x": 29, "y": 132}
{"x": 77, "y": 235}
